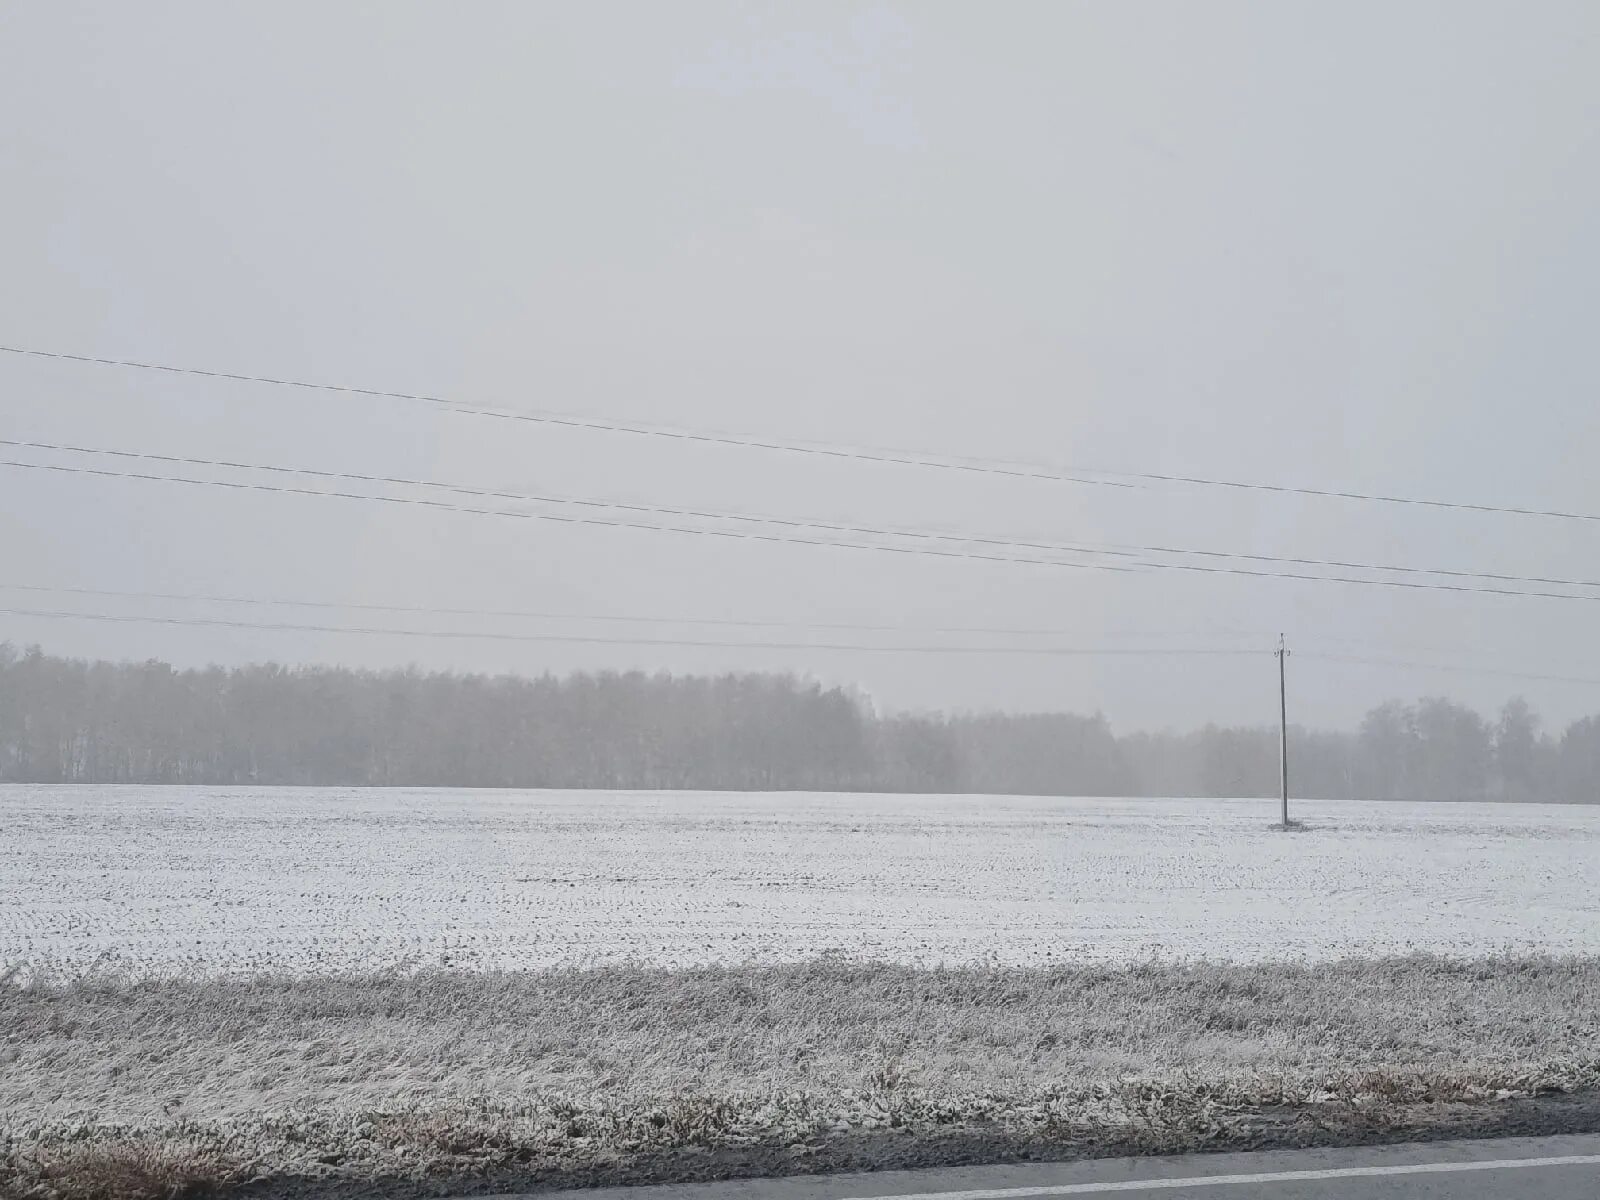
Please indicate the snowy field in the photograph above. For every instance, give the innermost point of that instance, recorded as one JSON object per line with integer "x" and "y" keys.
{"x": 159, "y": 879}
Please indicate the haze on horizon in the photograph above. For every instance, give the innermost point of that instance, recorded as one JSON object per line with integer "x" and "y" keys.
{"x": 1342, "y": 247}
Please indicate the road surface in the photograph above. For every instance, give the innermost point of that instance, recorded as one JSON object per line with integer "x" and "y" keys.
{"x": 1555, "y": 1168}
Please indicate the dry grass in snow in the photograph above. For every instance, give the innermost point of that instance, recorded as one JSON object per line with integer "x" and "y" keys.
{"x": 141, "y": 1088}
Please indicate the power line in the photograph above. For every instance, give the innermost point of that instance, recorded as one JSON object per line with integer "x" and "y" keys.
{"x": 577, "y": 502}
{"x": 572, "y": 421}
{"x": 1398, "y": 664}
{"x": 1019, "y": 470}
{"x": 791, "y": 540}
{"x": 593, "y": 640}
{"x": 1126, "y": 550}
{"x": 1364, "y": 566}
{"x": 1133, "y": 564}
{"x": 419, "y": 610}
{"x": 744, "y": 535}
{"x": 1060, "y": 651}
{"x": 729, "y": 622}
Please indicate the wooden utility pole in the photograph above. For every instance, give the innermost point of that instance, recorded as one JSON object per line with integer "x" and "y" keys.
{"x": 1283, "y": 729}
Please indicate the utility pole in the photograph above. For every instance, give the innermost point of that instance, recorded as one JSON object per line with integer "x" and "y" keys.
{"x": 1283, "y": 728}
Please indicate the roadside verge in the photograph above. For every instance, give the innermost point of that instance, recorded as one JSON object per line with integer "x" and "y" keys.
{"x": 409, "y": 1084}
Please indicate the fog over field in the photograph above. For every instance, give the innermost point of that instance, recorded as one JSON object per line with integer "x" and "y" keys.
{"x": 74, "y": 721}
{"x": 616, "y": 592}
{"x": 1104, "y": 249}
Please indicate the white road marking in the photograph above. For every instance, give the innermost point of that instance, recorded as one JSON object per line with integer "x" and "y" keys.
{"x": 1195, "y": 1181}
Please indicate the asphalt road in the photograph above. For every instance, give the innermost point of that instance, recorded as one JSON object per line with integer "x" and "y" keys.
{"x": 1554, "y": 1168}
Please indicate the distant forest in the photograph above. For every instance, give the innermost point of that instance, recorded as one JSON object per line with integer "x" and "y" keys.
{"x": 69, "y": 721}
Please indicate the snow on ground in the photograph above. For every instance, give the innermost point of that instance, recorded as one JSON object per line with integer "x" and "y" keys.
{"x": 159, "y": 879}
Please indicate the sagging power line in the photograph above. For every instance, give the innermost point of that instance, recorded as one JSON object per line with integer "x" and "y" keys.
{"x": 1018, "y": 470}
{"x": 596, "y": 640}
{"x": 1130, "y": 563}
{"x": 580, "y": 639}
{"x": 905, "y": 458}
{"x": 613, "y": 618}
{"x": 442, "y": 506}
{"x": 1406, "y": 665}
{"x": 574, "y": 501}
{"x": 814, "y": 626}
{"x": 1113, "y": 549}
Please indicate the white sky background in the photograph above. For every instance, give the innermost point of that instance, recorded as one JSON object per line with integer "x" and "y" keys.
{"x": 1348, "y": 246}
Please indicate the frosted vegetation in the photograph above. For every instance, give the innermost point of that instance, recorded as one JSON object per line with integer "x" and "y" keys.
{"x": 400, "y": 992}
{"x": 405, "y": 1085}
{"x": 158, "y": 880}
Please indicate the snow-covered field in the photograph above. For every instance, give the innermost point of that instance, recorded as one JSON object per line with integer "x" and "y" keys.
{"x": 166, "y": 878}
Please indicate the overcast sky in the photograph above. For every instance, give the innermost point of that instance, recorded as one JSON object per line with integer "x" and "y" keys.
{"x": 1346, "y": 246}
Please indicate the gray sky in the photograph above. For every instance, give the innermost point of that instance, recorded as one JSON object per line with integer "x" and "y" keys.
{"x": 1339, "y": 246}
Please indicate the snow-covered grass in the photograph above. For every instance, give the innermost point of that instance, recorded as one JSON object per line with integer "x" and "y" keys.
{"x": 399, "y": 991}
{"x": 401, "y": 1083}
{"x": 175, "y": 880}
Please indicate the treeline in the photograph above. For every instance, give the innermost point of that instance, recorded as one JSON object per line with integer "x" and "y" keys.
{"x": 70, "y": 721}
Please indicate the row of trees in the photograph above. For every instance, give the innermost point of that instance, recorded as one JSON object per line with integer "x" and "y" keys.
{"x": 69, "y": 721}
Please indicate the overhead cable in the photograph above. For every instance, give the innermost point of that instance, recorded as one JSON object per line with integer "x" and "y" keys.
{"x": 547, "y": 615}
{"x": 1014, "y": 469}
{"x": 1130, "y": 564}
{"x": 593, "y": 640}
